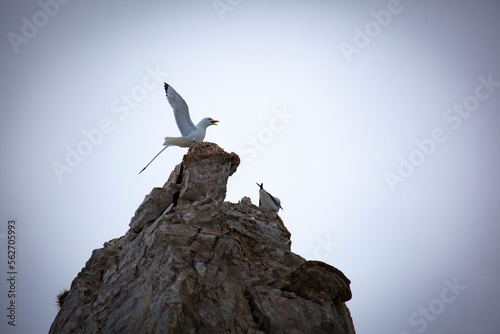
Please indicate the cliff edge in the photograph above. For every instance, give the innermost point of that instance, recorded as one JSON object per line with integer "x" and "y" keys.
{"x": 192, "y": 263}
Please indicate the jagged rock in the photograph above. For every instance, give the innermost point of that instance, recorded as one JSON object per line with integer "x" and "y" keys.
{"x": 192, "y": 263}
{"x": 206, "y": 170}
{"x": 320, "y": 282}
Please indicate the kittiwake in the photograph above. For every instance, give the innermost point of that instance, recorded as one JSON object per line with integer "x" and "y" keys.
{"x": 190, "y": 133}
{"x": 268, "y": 201}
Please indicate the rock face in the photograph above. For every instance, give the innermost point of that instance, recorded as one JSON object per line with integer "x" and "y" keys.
{"x": 192, "y": 263}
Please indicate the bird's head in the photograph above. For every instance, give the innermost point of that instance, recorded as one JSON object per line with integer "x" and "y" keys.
{"x": 207, "y": 121}
{"x": 279, "y": 203}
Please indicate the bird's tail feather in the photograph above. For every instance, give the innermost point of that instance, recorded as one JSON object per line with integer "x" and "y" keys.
{"x": 178, "y": 141}
{"x": 163, "y": 149}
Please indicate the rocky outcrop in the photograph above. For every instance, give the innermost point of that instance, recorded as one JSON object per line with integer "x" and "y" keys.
{"x": 192, "y": 263}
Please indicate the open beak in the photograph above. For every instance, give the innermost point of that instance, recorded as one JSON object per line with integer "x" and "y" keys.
{"x": 214, "y": 122}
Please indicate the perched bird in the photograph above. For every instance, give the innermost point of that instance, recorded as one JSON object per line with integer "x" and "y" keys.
{"x": 268, "y": 201}
{"x": 190, "y": 133}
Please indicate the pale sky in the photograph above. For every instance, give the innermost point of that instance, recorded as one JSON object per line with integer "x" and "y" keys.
{"x": 375, "y": 123}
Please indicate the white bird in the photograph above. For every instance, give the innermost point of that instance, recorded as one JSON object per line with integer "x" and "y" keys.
{"x": 268, "y": 201}
{"x": 190, "y": 133}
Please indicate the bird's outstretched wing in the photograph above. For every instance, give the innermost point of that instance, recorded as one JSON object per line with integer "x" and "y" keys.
{"x": 260, "y": 186}
{"x": 181, "y": 111}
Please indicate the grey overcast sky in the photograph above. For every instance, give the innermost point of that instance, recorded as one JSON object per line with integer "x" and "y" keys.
{"x": 375, "y": 122}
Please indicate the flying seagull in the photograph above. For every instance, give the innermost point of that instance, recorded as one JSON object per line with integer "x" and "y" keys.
{"x": 190, "y": 133}
{"x": 268, "y": 201}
